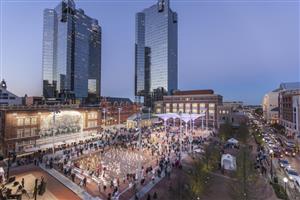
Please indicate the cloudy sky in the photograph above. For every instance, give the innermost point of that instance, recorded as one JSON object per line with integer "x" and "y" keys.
{"x": 241, "y": 49}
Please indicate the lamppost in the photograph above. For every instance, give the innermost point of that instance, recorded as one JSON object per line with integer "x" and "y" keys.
{"x": 119, "y": 112}
{"x": 180, "y": 135}
{"x": 202, "y": 122}
{"x": 140, "y": 145}
{"x": 207, "y": 117}
{"x": 104, "y": 111}
{"x": 271, "y": 170}
{"x": 149, "y": 115}
{"x": 285, "y": 180}
{"x": 55, "y": 111}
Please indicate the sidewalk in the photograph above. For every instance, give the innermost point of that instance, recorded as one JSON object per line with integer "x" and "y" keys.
{"x": 69, "y": 184}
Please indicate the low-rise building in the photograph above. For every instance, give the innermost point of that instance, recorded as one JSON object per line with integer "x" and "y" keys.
{"x": 289, "y": 107}
{"x": 270, "y": 107}
{"x": 7, "y": 98}
{"x": 192, "y": 101}
{"x": 26, "y": 127}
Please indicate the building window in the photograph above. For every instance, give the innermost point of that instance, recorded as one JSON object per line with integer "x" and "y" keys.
{"x": 27, "y": 132}
{"x": 195, "y": 111}
{"x": 27, "y": 121}
{"x": 92, "y": 124}
{"x": 33, "y": 121}
{"x": 167, "y": 105}
{"x": 19, "y": 133}
{"x": 211, "y": 105}
{"x": 181, "y": 105}
{"x": 33, "y": 132}
{"x": 158, "y": 110}
{"x": 20, "y": 121}
{"x": 167, "y": 110}
{"x": 211, "y": 112}
{"x": 202, "y": 105}
{"x": 187, "y": 108}
{"x": 174, "y": 106}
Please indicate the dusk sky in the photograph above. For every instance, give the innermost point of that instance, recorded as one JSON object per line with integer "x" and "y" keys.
{"x": 240, "y": 49}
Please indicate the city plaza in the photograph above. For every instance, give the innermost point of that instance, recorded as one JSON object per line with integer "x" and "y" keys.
{"x": 118, "y": 162}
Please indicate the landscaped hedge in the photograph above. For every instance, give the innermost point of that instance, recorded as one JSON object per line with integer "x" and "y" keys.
{"x": 279, "y": 191}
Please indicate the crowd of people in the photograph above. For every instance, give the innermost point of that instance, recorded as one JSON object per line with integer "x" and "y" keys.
{"x": 114, "y": 158}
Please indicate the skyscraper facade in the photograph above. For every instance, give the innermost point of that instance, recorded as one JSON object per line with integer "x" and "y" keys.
{"x": 71, "y": 53}
{"x": 156, "y": 70}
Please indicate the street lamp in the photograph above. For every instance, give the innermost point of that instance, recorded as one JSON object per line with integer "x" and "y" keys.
{"x": 285, "y": 180}
{"x": 139, "y": 117}
{"x": 149, "y": 113}
{"x": 119, "y": 111}
{"x": 104, "y": 111}
{"x": 180, "y": 135}
{"x": 271, "y": 170}
{"x": 55, "y": 111}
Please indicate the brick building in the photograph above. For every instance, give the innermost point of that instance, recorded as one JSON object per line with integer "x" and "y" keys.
{"x": 192, "y": 101}
{"x": 28, "y": 127}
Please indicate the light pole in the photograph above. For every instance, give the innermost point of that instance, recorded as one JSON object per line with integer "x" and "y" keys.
{"x": 119, "y": 111}
{"x": 55, "y": 111}
{"x": 140, "y": 146}
{"x": 207, "y": 117}
{"x": 271, "y": 170}
{"x": 202, "y": 122}
{"x": 285, "y": 180}
{"x": 180, "y": 135}
{"x": 149, "y": 115}
{"x": 104, "y": 111}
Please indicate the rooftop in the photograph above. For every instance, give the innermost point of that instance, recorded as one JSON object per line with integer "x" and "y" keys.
{"x": 193, "y": 92}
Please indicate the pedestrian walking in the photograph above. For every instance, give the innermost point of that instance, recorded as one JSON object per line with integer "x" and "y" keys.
{"x": 23, "y": 182}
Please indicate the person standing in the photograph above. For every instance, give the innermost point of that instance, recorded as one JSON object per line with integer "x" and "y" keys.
{"x": 23, "y": 182}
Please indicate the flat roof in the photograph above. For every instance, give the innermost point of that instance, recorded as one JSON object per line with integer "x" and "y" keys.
{"x": 193, "y": 92}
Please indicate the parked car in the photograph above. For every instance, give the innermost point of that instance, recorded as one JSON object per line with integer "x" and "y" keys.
{"x": 283, "y": 163}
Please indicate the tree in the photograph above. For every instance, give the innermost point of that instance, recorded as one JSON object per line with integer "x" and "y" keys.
{"x": 226, "y": 131}
{"x": 247, "y": 178}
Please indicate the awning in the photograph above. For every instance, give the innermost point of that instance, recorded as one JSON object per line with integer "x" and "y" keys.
{"x": 32, "y": 149}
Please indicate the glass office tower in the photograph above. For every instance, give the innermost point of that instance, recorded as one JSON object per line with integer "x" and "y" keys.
{"x": 71, "y": 53}
{"x": 156, "y": 51}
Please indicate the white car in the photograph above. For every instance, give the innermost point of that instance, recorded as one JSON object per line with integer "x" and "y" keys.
{"x": 292, "y": 174}
{"x": 297, "y": 184}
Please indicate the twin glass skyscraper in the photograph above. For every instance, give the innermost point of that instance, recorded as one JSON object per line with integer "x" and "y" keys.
{"x": 156, "y": 51}
{"x": 71, "y": 53}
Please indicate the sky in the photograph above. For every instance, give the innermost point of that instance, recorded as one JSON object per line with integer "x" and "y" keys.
{"x": 241, "y": 49}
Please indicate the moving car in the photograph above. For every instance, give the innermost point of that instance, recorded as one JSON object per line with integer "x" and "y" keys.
{"x": 291, "y": 173}
{"x": 283, "y": 163}
{"x": 290, "y": 152}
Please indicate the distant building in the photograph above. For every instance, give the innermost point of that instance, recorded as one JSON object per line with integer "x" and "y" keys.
{"x": 270, "y": 107}
{"x": 71, "y": 53}
{"x": 289, "y": 108}
{"x": 7, "y": 98}
{"x": 192, "y": 101}
{"x": 156, "y": 70}
{"x": 234, "y": 104}
{"x": 270, "y": 103}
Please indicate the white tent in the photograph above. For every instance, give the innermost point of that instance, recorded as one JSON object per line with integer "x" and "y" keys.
{"x": 2, "y": 173}
{"x": 232, "y": 141}
{"x": 228, "y": 162}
